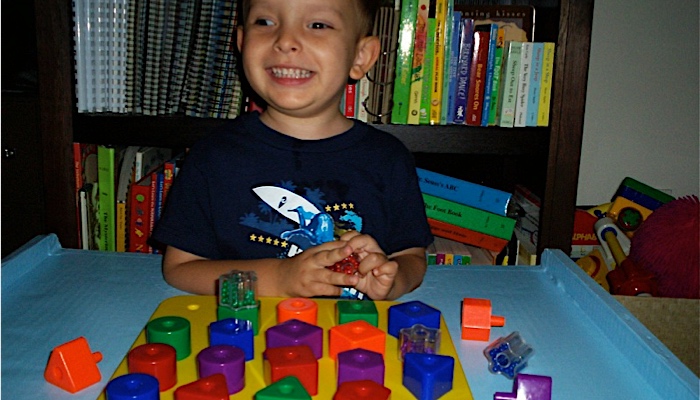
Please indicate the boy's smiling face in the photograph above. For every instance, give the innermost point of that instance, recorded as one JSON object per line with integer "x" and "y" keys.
{"x": 298, "y": 54}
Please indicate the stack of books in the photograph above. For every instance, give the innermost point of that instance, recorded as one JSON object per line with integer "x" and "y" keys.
{"x": 120, "y": 192}
{"x": 466, "y": 212}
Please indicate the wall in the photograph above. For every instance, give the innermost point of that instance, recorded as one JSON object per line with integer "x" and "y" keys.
{"x": 642, "y": 117}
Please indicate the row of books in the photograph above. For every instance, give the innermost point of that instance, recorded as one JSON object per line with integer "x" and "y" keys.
{"x": 120, "y": 192}
{"x": 467, "y": 213}
{"x": 154, "y": 57}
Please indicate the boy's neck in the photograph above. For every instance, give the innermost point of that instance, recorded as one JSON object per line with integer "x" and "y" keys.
{"x": 316, "y": 128}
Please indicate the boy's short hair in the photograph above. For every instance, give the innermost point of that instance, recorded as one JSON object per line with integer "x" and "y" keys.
{"x": 367, "y": 9}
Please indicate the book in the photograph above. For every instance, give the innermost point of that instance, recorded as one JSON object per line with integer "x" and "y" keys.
{"x": 418, "y": 63}
{"x": 455, "y": 43}
{"x": 404, "y": 61}
{"x": 105, "y": 183}
{"x": 463, "y": 70}
{"x": 477, "y": 74}
{"x": 349, "y": 104}
{"x": 521, "y": 102}
{"x": 141, "y": 212}
{"x": 488, "y": 80}
{"x": 533, "y": 95}
{"x": 546, "y": 84}
{"x": 496, "y": 80}
{"x": 424, "y": 116}
{"x": 517, "y": 20}
{"x": 362, "y": 96}
{"x": 509, "y": 89}
{"x": 85, "y": 171}
{"x": 445, "y": 110}
{"x": 465, "y": 235}
{"x": 464, "y": 192}
{"x": 468, "y": 217}
{"x": 444, "y": 251}
{"x": 438, "y": 61}
{"x": 126, "y": 167}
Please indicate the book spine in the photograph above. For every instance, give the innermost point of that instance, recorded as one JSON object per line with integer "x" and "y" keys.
{"x": 464, "y": 192}
{"x": 465, "y": 235}
{"x": 453, "y": 65}
{"x": 523, "y": 85}
{"x": 477, "y": 75}
{"x": 362, "y": 95}
{"x": 139, "y": 217}
{"x": 468, "y": 217}
{"x": 83, "y": 196}
{"x": 510, "y": 84}
{"x": 153, "y": 188}
{"x": 168, "y": 178}
{"x": 120, "y": 231}
{"x": 546, "y": 84}
{"x": 78, "y": 172}
{"x": 496, "y": 83}
{"x": 488, "y": 81}
{"x": 350, "y": 95}
{"x": 533, "y": 96}
{"x": 465, "y": 60}
{"x": 105, "y": 179}
{"x": 418, "y": 64}
{"x": 424, "y": 116}
{"x": 438, "y": 61}
{"x": 445, "y": 110}
{"x": 404, "y": 61}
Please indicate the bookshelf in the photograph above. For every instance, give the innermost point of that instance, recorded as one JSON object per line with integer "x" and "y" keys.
{"x": 545, "y": 159}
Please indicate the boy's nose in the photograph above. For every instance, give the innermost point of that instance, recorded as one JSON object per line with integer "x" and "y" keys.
{"x": 287, "y": 40}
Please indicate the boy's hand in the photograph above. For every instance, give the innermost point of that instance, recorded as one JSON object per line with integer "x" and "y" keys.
{"x": 376, "y": 273}
{"x": 306, "y": 275}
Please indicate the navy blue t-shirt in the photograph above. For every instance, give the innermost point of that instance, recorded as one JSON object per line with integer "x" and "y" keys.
{"x": 248, "y": 192}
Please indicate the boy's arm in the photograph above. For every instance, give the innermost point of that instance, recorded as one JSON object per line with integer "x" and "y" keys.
{"x": 412, "y": 268}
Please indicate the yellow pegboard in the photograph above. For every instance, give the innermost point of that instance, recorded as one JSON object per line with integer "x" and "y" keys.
{"x": 201, "y": 311}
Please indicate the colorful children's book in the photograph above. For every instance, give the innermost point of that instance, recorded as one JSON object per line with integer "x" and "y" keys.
{"x": 496, "y": 80}
{"x": 521, "y": 103}
{"x": 127, "y": 162}
{"x": 455, "y": 43}
{"x": 488, "y": 81}
{"x": 463, "y": 70}
{"x": 419, "y": 60}
{"x": 477, "y": 74}
{"x": 465, "y": 235}
{"x": 438, "y": 61}
{"x": 509, "y": 87}
{"x": 105, "y": 182}
{"x": 424, "y": 116}
{"x": 464, "y": 192}
{"x": 404, "y": 61}
{"x": 445, "y": 109}
{"x": 468, "y": 217}
{"x": 533, "y": 96}
{"x": 546, "y": 84}
{"x": 141, "y": 213}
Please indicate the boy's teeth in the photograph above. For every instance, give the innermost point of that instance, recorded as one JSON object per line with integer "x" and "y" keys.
{"x": 290, "y": 73}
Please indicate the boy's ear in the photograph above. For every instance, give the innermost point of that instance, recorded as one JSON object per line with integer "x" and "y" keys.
{"x": 239, "y": 37}
{"x": 366, "y": 55}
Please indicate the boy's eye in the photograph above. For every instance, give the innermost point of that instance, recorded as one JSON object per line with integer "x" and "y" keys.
{"x": 318, "y": 25}
{"x": 263, "y": 22}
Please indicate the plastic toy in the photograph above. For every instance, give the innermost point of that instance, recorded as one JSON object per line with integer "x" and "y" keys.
{"x": 360, "y": 364}
{"x": 604, "y": 225}
{"x": 134, "y": 386}
{"x": 347, "y": 265}
{"x": 508, "y": 355}
{"x": 295, "y": 333}
{"x": 157, "y": 360}
{"x": 297, "y": 308}
{"x": 419, "y": 339}
{"x": 477, "y": 319}
{"x": 594, "y": 265}
{"x": 408, "y": 314}
{"x": 212, "y": 387}
{"x": 298, "y": 361}
{"x": 353, "y": 335}
{"x": 528, "y": 387}
{"x": 238, "y": 297}
{"x": 234, "y": 332}
{"x": 627, "y": 278}
{"x": 428, "y": 376}
{"x": 666, "y": 245}
{"x": 72, "y": 366}
{"x": 287, "y": 388}
{"x": 352, "y": 310}
{"x": 226, "y": 360}
{"x": 171, "y": 330}
{"x": 363, "y": 389}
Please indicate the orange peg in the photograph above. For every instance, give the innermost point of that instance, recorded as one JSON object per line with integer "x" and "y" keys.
{"x": 72, "y": 366}
{"x": 477, "y": 319}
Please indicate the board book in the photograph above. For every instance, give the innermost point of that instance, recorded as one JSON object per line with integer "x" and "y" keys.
{"x": 202, "y": 311}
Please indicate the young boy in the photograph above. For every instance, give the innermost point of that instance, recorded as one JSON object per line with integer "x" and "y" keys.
{"x": 299, "y": 187}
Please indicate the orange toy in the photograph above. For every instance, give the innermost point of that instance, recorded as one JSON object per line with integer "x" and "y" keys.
{"x": 72, "y": 366}
{"x": 358, "y": 334}
{"x": 477, "y": 319}
{"x": 297, "y": 308}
